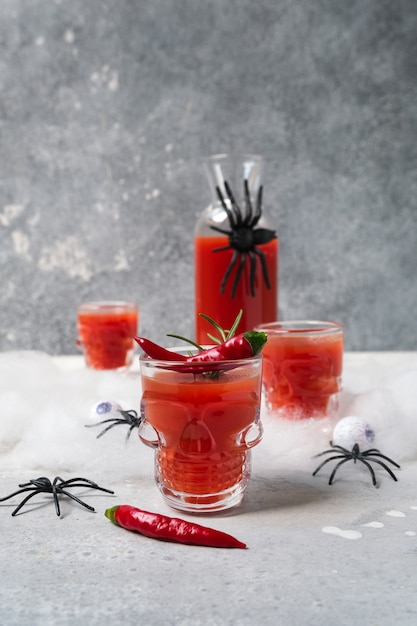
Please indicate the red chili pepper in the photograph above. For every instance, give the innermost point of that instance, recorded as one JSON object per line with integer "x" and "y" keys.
{"x": 167, "y": 528}
{"x": 241, "y": 346}
{"x": 158, "y": 352}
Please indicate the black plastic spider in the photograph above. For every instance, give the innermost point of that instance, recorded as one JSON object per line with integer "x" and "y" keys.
{"x": 57, "y": 487}
{"x": 356, "y": 455}
{"x": 128, "y": 417}
{"x": 244, "y": 238}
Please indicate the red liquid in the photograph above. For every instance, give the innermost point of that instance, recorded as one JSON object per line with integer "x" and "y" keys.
{"x": 210, "y": 268}
{"x": 301, "y": 374}
{"x": 200, "y": 422}
{"x": 107, "y": 337}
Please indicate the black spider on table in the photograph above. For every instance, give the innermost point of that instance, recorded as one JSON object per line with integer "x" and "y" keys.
{"x": 244, "y": 238}
{"x": 366, "y": 457}
{"x": 57, "y": 487}
{"x": 129, "y": 418}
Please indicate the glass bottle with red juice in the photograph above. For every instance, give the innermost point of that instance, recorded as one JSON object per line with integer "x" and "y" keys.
{"x": 235, "y": 248}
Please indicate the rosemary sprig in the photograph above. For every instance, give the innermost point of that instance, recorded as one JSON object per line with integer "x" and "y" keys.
{"x": 217, "y": 326}
{"x": 235, "y": 324}
{"x": 181, "y": 338}
{"x": 224, "y": 334}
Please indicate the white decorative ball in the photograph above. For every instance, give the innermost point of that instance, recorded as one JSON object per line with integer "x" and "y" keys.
{"x": 105, "y": 409}
{"x": 351, "y": 430}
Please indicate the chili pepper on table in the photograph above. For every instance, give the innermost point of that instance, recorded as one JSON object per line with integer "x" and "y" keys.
{"x": 167, "y": 528}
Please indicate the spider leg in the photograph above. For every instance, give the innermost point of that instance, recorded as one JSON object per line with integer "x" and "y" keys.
{"x": 110, "y": 419}
{"x": 128, "y": 413}
{"x": 345, "y": 451}
{"x": 103, "y": 432}
{"x": 322, "y": 453}
{"x": 382, "y": 464}
{"x": 221, "y": 230}
{"x": 228, "y": 271}
{"x": 368, "y": 465}
{"x": 34, "y": 493}
{"x": 15, "y": 493}
{"x": 249, "y": 211}
{"x": 332, "y": 458}
{"x": 60, "y": 482}
{"x": 375, "y": 452}
{"x": 222, "y": 249}
{"x": 84, "y": 482}
{"x": 235, "y": 206}
{"x": 229, "y": 213}
{"x": 116, "y": 422}
{"x": 264, "y": 267}
{"x": 55, "y": 490}
{"x": 252, "y": 272}
{"x": 42, "y": 483}
{"x": 131, "y": 417}
{"x": 332, "y": 475}
{"x": 258, "y": 212}
{"x": 342, "y": 449}
{"x": 238, "y": 274}
{"x": 129, "y": 432}
{"x": 71, "y": 495}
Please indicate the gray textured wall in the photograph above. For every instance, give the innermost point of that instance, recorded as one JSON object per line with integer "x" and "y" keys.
{"x": 106, "y": 108}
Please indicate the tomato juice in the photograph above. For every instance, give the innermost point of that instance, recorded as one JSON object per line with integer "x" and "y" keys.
{"x": 106, "y": 332}
{"x": 302, "y": 369}
{"x": 202, "y": 428}
{"x": 210, "y": 268}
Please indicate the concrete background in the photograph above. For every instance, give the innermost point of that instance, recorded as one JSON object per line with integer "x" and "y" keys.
{"x": 107, "y": 107}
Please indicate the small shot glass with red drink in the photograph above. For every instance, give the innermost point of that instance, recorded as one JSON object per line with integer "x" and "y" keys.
{"x": 106, "y": 331}
{"x": 302, "y": 368}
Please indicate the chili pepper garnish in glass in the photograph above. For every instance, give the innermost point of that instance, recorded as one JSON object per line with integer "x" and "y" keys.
{"x": 241, "y": 346}
{"x": 202, "y": 416}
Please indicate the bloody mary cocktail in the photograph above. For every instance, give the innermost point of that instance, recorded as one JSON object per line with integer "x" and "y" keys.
{"x": 302, "y": 368}
{"x": 202, "y": 426}
{"x": 105, "y": 333}
{"x": 210, "y": 268}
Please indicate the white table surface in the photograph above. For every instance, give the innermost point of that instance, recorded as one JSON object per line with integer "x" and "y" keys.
{"x": 317, "y": 554}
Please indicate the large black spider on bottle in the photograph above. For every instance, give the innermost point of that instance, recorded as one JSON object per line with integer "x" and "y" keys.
{"x": 244, "y": 238}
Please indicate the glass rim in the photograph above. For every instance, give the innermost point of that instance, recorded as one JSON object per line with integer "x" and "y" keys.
{"x": 107, "y": 305}
{"x": 301, "y": 327}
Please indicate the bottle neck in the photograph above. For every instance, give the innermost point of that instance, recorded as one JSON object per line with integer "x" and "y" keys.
{"x": 229, "y": 171}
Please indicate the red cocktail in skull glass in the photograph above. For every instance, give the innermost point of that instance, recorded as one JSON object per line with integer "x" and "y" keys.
{"x": 202, "y": 425}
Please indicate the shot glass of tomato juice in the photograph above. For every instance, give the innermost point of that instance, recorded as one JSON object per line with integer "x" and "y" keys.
{"x": 202, "y": 422}
{"x": 106, "y": 333}
{"x": 302, "y": 370}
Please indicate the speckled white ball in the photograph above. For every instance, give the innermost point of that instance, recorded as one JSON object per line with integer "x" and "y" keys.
{"x": 105, "y": 409}
{"x": 351, "y": 430}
